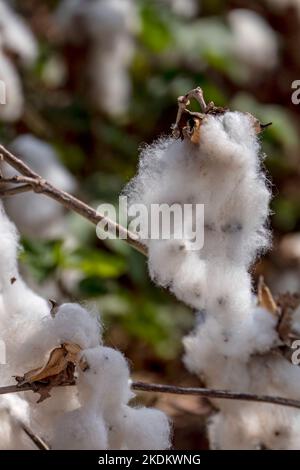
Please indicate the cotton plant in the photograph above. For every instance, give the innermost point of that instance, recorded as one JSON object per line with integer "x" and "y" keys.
{"x": 48, "y": 345}
{"x": 15, "y": 38}
{"x": 217, "y": 163}
{"x": 214, "y": 158}
{"x": 108, "y": 27}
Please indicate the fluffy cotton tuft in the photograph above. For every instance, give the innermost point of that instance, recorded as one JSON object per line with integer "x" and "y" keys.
{"x": 72, "y": 323}
{"x": 261, "y": 52}
{"x": 105, "y": 382}
{"x": 109, "y": 26}
{"x": 34, "y": 213}
{"x": 15, "y": 37}
{"x": 11, "y": 110}
{"x": 221, "y": 171}
{"x": 80, "y": 429}
{"x": 15, "y": 34}
{"x": 73, "y": 417}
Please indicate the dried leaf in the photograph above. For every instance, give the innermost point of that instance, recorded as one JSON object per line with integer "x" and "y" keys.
{"x": 266, "y": 299}
{"x": 58, "y": 370}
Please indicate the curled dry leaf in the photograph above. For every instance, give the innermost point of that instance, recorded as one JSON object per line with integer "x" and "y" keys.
{"x": 266, "y": 299}
{"x": 58, "y": 370}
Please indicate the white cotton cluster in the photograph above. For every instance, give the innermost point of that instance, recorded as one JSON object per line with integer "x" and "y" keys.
{"x": 38, "y": 214}
{"x": 233, "y": 345}
{"x": 95, "y": 413}
{"x": 108, "y": 26}
{"x": 15, "y": 38}
{"x": 254, "y": 42}
{"x": 105, "y": 420}
{"x": 222, "y": 172}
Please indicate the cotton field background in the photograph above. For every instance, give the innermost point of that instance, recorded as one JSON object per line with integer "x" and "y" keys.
{"x": 91, "y": 89}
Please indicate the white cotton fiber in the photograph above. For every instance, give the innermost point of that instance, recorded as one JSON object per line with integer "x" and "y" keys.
{"x": 12, "y": 108}
{"x": 145, "y": 429}
{"x": 16, "y": 38}
{"x": 254, "y": 42}
{"x": 108, "y": 26}
{"x": 15, "y": 34}
{"x": 105, "y": 382}
{"x": 37, "y": 214}
{"x": 222, "y": 172}
{"x": 74, "y": 324}
{"x": 86, "y": 416}
{"x": 81, "y": 429}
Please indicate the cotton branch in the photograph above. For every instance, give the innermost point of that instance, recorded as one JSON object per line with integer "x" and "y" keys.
{"x": 173, "y": 389}
{"x": 32, "y": 181}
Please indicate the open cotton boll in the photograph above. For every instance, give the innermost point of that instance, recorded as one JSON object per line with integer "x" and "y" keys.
{"x": 74, "y": 324}
{"x": 23, "y": 310}
{"x": 105, "y": 382}
{"x": 221, "y": 171}
{"x": 37, "y": 214}
{"x": 145, "y": 429}
{"x": 110, "y": 82}
{"x": 12, "y": 108}
{"x": 81, "y": 429}
{"x": 261, "y": 52}
{"x": 15, "y": 34}
{"x": 108, "y": 26}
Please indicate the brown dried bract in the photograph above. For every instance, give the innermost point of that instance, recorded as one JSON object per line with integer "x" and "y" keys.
{"x": 58, "y": 370}
{"x": 266, "y": 299}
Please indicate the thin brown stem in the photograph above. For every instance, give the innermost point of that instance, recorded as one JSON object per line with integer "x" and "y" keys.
{"x": 40, "y": 185}
{"x": 37, "y": 440}
{"x": 24, "y": 188}
{"x": 174, "y": 389}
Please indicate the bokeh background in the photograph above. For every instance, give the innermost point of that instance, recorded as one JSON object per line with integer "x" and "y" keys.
{"x": 92, "y": 82}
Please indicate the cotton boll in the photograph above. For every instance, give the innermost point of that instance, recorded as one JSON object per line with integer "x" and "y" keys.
{"x": 74, "y": 324}
{"x": 15, "y": 34}
{"x": 37, "y": 214}
{"x": 225, "y": 433}
{"x": 12, "y": 109}
{"x": 81, "y": 429}
{"x": 261, "y": 52}
{"x": 105, "y": 382}
{"x": 222, "y": 172}
{"x": 23, "y": 310}
{"x": 145, "y": 429}
{"x": 110, "y": 82}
